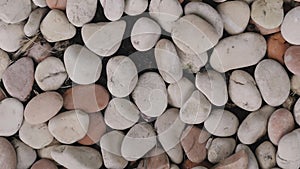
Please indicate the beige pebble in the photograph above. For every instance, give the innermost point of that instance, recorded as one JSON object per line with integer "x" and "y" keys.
{"x": 8, "y": 158}
{"x": 36, "y": 136}
{"x": 14, "y": 11}
{"x": 25, "y": 154}
{"x": 252, "y": 162}
{"x": 46, "y": 151}
{"x": 265, "y": 154}
{"x": 135, "y": 7}
{"x": 70, "y": 126}
{"x": 291, "y": 59}
{"x": 113, "y": 9}
{"x": 4, "y": 62}
{"x": 32, "y": 25}
{"x": 11, "y": 36}
{"x": 57, "y": 4}
{"x": 290, "y": 25}
{"x": 220, "y": 149}
{"x": 11, "y": 112}
{"x": 39, "y": 51}
{"x": 44, "y": 164}
{"x": 157, "y": 158}
{"x": 237, "y": 160}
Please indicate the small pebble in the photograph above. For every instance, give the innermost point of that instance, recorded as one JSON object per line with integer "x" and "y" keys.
{"x": 252, "y": 162}
{"x": 265, "y": 154}
{"x": 14, "y": 11}
{"x": 113, "y": 9}
{"x": 11, "y": 36}
{"x": 277, "y": 47}
{"x": 44, "y": 164}
{"x": 57, "y": 4}
{"x": 8, "y": 158}
{"x": 220, "y": 149}
{"x": 237, "y": 160}
{"x": 292, "y": 59}
{"x": 135, "y": 7}
{"x": 290, "y": 25}
{"x": 26, "y": 156}
{"x": 32, "y": 25}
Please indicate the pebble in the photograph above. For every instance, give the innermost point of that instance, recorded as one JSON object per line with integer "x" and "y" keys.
{"x": 135, "y": 7}
{"x": 238, "y": 51}
{"x": 32, "y": 25}
{"x": 243, "y": 91}
{"x": 44, "y": 164}
{"x": 121, "y": 114}
{"x": 81, "y": 12}
{"x": 196, "y": 109}
{"x": 150, "y": 94}
{"x": 43, "y": 107}
{"x": 110, "y": 145}
{"x": 56, "y": 27}
{"x": 145, "y": 33}
{"x": 39, "y": 51}
{"x": 8, "y": 158}
{"x": 167, "y": 61}
{"x": 36, "y": 136}
{"x": 165, "y": 12}
{"x": 235, "y": 15}
{"x": 82, "y": 65}
{"x": 263, "y": 30}
{"x": 290, "y": 24}
{"x": 221, "y": 123}
{"x": 122, "y": 76}
{"x": 14, "y": 11}
{"x": 77, "y": 157}
{"x": 4, "y": 62}
{"x": 96, "y": 130}
{"x": 252, "y": 162}
{"x": 50, "y": 74}
{"x": 220, "y": 149}
{"x": 277, "y": 47}
{"x": 180, "y": 92}
{"x": 169, "y": 129}
{"x": 237, "y": 160}
{"x": 254, "y": 126}
{"x": 213, "y": 85}
{"x": 265, "y": 154}
{"x": 292, "y": 59}
{"x": 26, "y": 156}
{"x": 89, "y": 98}
{"x": 295, "y": 84}
{"x": 57, "y": 4}
{"x": 13, "y": 32}
{"x": 40, "y": 3}
{"x": 280, "y": 123}
{"x": 206, "y": 12}
{"x": 113, "y": 9}
{"x": 272, "y": 81}
{"x": 267, "y": 13}
{"x": 193, "y": 34}
{"x": 138, "y": 141}
{"x": 111, "y": 35}
{"x": 193, "y": 141}
{"x": 157, "y": 158}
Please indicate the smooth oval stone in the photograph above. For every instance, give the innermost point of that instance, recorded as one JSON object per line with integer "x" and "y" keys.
{"x": 254, "y": 126}
{"x": 11, "y": 112}
{"x": 8, "y": 158}
{"x": 40, "y": 3}
{"x": 18, "y": 78}
{"x": 252, "y": 162}
{"x": 243, "y": 91}
{"x": 96, "y": 130}
{"x": 280, "y": 123}
{"x": 193, "y": 141}
{"x": 135, "y": 7}
{"x": 77, "y": 157}
{"x": 70, "y": 126}
{"x": 295, "y": 84}
{"x": 221, "y": 123}
{"x": 43, "y": 107}
{"x": 192, "y": 34}
{"x": 122, "y": 76}
{"x": 32, "y": 25}
{"x": 44, "y": 164}
{"x": 267, "y": 13}
{"x": 290, "y": 25}
{"x": 265, "y": 154}
{"x": 50, "y": 74}
{"x": 110, "y": 145}
{"x": 82, "y": 65}
{"x": 272, "y": 81}
{"x": 39, "y": 51}
{"x": 81, "y": 12}
{"x": 213, "y": 86}
{"x": 113, "y": 9}
{"x": 179, "y": 92}
{"x": 14, "y": 11}
{"x": 56, "y": 27}
{"x": 167, "y": 61}
{"x": 237, "y": 160}
{"x": 196, "y": 109}
{"x": 220, "y": 149}
{"x": 292, "y": 59}
{"x": 165, "y": 12}
{"x": 89, "y": 98}
{"x": 169, "y": 128}
{"x": 11, "y": 36}
{"x": 144, "y": 34}
{"x": 138, "y": 141}
{"x": 25, "y": 154}
{"x": 36, "y": 136}
{"x": 110, "y": 33}
{"x": 157, "y": 158}
{"x": 206, "y": 12}
{"x": 235, "y": 15}
{"x": 297, "y": 111}
{"x": 57, "y": 4}
{"x": 4, "y": 62}
{"x": 238, "y": 51}
{"x": 150, "y": 94}
{"x": 121, "y": 114}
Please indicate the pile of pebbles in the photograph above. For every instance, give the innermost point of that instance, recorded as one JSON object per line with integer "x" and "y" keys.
{"x": 158, "y": 84}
